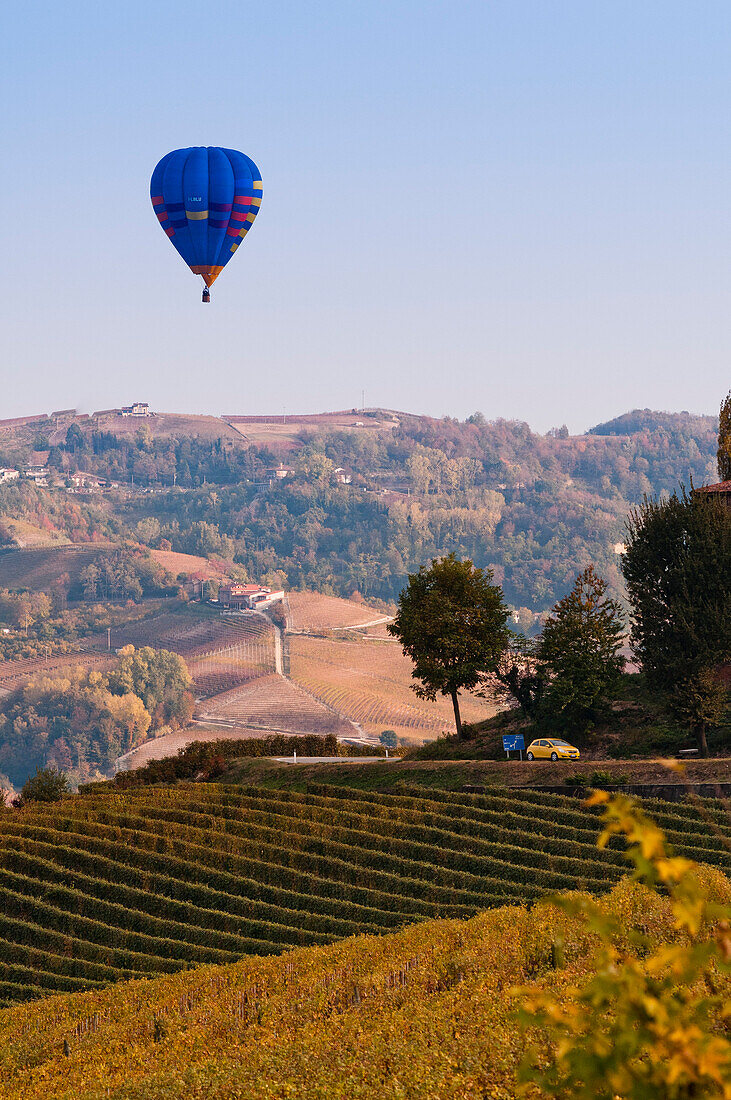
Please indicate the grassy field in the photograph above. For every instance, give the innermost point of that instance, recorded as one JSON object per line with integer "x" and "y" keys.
{"x": 455, "y": 774}
{"x": 107, "y": 885}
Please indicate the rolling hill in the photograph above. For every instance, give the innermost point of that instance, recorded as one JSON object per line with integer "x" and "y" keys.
{"x": 106, "y": 886}
{"x": 428, "y": 1011}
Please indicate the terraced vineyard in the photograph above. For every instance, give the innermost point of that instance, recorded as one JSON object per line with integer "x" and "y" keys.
{"x": 107, "y": 886}
{"x": 274, "y": 703}
{"x": 369, "y": 682}
{"x": 222, "y": 652}
{"x": 15, "y": 673}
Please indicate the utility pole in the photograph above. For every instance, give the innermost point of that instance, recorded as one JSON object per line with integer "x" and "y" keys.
{"x": 109, "y": 638}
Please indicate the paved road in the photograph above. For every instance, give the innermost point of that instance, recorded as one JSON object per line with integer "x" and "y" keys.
{"x": 333, "y": 759}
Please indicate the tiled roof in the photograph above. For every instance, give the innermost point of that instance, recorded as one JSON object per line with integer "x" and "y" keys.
{"x": 719, "y": 487}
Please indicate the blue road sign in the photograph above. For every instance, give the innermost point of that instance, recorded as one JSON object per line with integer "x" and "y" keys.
{"x": 513, "y": 742}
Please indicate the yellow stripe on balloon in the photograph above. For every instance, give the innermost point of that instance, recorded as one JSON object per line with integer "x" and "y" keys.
{"x": 244, "y": 231}
{"x": 234, "y": 246}
{"x": 256, "y": 202}
{"x": 250, "y": 218}
{"x": 257, "y": 185}
{"x": 196, "y": 217}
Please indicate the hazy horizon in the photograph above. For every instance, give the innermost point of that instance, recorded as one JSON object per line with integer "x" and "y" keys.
{"x": 517, "y": 208}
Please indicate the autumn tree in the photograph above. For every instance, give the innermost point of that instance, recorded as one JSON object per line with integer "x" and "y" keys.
{"x": 677, "y": 567}
{"x": 451, "y": 621}
{"x": 160, "y": 679}
{"x": 724, "y": 440}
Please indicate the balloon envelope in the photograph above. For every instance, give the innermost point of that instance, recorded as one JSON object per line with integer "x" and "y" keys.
{"x": 206, "y": 200}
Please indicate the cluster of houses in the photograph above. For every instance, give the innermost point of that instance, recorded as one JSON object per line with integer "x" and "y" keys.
{"x": 236, "y": 596}
{"x": 37, "y": 470}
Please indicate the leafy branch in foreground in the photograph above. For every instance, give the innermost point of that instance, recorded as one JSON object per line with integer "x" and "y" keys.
{"x": 648, "y": 1024}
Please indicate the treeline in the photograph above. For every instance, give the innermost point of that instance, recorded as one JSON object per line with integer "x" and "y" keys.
{"x": 146, "y": 460}
{"x": 80, "y": 721}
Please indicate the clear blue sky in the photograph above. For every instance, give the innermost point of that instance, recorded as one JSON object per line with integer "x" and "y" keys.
{"x": 518, "y": 207}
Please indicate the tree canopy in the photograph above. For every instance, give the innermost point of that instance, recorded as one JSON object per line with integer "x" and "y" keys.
{"x": 678, "y": 572}
{"x": 452, "y": 622}
{"x": 580, "y": 649}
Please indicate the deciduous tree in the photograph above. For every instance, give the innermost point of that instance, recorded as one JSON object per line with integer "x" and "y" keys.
{"x": 451, "y": 621}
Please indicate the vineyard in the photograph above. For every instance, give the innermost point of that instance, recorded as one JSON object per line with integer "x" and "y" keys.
{"x": 14, "y": 673}
{"x": 369, "y": 682}
{"x": 311, "y": 611}
{"x": 272, "y": 702}
{"x": 425, "y": 1012}
{"x": 222, "y": 652}
{"x": 106, "y": 885}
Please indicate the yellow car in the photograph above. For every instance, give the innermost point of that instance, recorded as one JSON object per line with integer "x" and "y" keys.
{"x": 551, "y": 749}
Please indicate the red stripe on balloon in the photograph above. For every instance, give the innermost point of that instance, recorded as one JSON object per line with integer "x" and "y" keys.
{"x": 163, "y": 217}
{"x": 233, "y": 232}
{"x": 243, "y": 200}
{"x": 157, "y": 199}
{"x": 170, "y": 232}
{"x": 238, "y": 217}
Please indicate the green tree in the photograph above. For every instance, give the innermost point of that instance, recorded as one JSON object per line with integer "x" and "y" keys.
{"x": 677, "y": 568}
{"x": 47, "y": 785}
{"x": 451, "y": 621}
{"x": 724, "y": 440}
{"x": 580, "y": 650}
{"x": 700, "y": 702}
{"x": 520, "y": 675}
{"x": 389, "y": 739}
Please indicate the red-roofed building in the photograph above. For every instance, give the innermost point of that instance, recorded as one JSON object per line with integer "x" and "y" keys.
{"x": 247, "y": 597}
{"x": 721, "y": 492}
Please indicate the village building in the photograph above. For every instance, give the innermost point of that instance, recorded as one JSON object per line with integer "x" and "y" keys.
{"x": 8, "y": 474}
{"x": 139, "y": 408}
{"x": 237, "y": 596}
{"x": 721, "y": 492}
{"x": 37, "y": 467}
{"x": 86, "y": 483}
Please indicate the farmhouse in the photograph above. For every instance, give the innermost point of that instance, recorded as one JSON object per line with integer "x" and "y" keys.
{"x": 7, "y": 474}
{"x": 139, "y": 408}
{"x": 86, "y": 483}
{"x": 721, "y": 492}
{"x": 247, "y": 597}
{"x": 37, "y": 467}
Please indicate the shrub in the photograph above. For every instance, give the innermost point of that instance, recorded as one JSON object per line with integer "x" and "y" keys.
{"x": 47, "y": 785}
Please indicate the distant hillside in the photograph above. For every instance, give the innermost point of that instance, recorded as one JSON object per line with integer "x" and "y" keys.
{"x": 107, "y": 886}
{"x": 348, "y": 504}
{"x": 647, "y": 420}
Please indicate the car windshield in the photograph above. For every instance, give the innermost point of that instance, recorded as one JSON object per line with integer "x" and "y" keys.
{"x": 562, "y": 744}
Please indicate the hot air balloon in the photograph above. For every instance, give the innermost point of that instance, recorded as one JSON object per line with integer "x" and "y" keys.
{"x": 206, "y": 200}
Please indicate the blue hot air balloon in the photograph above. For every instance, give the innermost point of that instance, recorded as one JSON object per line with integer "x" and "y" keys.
{"x": 206, "y": 200}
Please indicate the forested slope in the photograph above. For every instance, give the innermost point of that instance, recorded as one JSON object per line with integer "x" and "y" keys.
{"x": 356, "y": 510}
